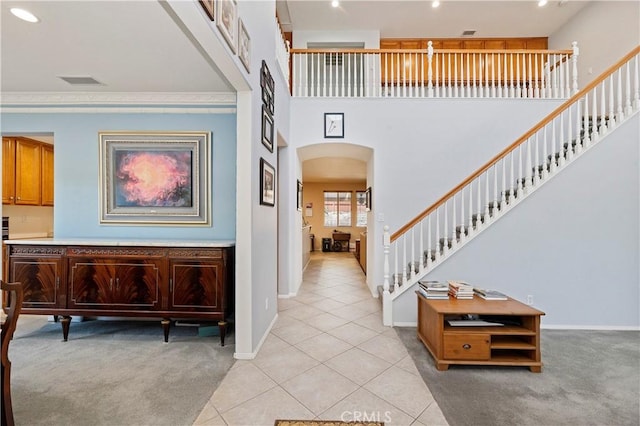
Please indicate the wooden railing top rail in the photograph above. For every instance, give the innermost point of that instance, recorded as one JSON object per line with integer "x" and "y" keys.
{"x": 424, "y": 51}
{"x": 524, "y": 137}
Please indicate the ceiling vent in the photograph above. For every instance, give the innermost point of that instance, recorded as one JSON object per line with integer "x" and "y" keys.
{"x": 81, "y": 81}
{"x": 468, "y": 33}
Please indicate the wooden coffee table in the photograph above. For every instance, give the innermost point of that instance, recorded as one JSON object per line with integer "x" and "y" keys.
{"x": 514, "y": 343}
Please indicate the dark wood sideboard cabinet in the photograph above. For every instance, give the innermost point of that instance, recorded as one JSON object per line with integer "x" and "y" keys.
{"x": 125, "y": 281}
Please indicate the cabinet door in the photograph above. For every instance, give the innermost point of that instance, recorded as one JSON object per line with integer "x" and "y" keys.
{"x": 42, "y": 280}
{"x": 47, "y": 175}
{"x": 110, "y": 284}
{"x": 197, "y": 285}
{"x": 8, "y": 170}
{"x": 27, "y": 172}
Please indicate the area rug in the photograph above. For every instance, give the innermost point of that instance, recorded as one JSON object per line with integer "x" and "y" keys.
{"x": 324, "y": 423}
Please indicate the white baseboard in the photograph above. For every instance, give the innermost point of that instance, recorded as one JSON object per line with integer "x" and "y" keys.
{"x": 252, "y": 355}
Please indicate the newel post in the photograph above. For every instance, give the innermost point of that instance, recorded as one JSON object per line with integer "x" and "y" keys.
{"x": 574, "y": 71}
{"x": 386, "y": 242}
{"x": 430, "y": 69}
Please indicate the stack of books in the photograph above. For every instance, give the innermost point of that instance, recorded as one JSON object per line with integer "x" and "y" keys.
{"x": 460, "y": 290}
{"x": 434, "y": 289}
{"x": 490, "y": 294}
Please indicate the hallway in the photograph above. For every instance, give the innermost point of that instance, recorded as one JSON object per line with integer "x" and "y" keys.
{"x": 327, "y": 357}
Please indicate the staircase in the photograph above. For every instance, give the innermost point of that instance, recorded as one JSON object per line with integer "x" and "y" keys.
{"x": 500, "y": 185}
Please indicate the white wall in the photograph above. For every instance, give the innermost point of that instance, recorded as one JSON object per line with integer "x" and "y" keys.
{"x": 573, "y": 244}
{"x": 417, "y": 157}
{"x": 605, "y": 32}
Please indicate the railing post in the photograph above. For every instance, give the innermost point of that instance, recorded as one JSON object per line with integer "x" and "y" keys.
{"x": 574, "y": 73}
{"x": 386, "y": 243}
{"x": 430, "y": 69}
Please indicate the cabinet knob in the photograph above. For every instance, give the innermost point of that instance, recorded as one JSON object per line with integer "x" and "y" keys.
{"x": 466, "y": 346}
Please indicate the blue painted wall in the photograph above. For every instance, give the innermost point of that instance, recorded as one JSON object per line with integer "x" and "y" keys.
{"x": 76, "y": 210}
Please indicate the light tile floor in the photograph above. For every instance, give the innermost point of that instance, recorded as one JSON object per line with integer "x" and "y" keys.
{"x": 327, "y": 357}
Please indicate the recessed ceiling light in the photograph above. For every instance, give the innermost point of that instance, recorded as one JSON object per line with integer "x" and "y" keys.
{"x": 542, "y": 3}
{"x": 435, "y": 4}
{"x": 335, "y": 3}
{"x": 25, "y": 15}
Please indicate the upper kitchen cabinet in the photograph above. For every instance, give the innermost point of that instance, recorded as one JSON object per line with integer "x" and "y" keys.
{"x": 27, "y": 172}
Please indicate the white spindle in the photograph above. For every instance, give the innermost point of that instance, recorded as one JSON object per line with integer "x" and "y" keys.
{"x": 468, "y": 82}
{"x": 475, "y": 89}
{"x": 421, "y": 247}
{"x": 404, "y": 259}
{"x": 512, "y": 93}
{"x": 530, "y": 91}
{"x": 503, "y": 198}
{"x": 537, "y": 79}
{"x": 402, "y": 74}
{"x": 547, "y": 73}
{"x": 430, "y": 68}
{"x": 421, "y": 75}
{"x": 627, "y": 98}
{"x": 470, "y": 225}
{"x": 594, "y": 116}
{"x": 520, "y": 172}
{"x": 413, "y": 252}
{"x": 429, "y": 260}
{"x": 545, "y": 172}
{"x": 636, "y": 84}
{"x": 603, "y": 107}
{"x": 536, "y": 171}
{"x": 438, "y": 82}
{"x": 586, "y": 140}
{"x": 552, "y": 163}
{"x": 386, "y": 241}
{"x": 496, "y": 196}
{"x": 567, "y": 78}
{"x": 445, "y": 230}
{"x": 479, "y": 204}
{"x": 396, "y": 275}
{"x": 619, "y": 97}
{"x": 463, "y": 237}
{"x": 555, "y": 76}
{"x": 518, "y": 76}
{"x": 448, "y": 75}
{"x": 513, "y": 178}
{"x": 569, "y": 135}
{"x": 578, "y": 148}
{"x": 454, "y": 234}
{"x": 486, "y": 196}
{"x": 437, "y": 234}
{"x": 528, "y": 166}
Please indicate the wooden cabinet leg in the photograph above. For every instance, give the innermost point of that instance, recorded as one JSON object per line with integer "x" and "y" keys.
{"x": 535, "y": 369}
{"x": 65, "y": 321}
{"x": 222, "y": 325}
{"x": 166, "y": 322}
{"x": 442, "y": 367}
{"x": 55, "y": 318}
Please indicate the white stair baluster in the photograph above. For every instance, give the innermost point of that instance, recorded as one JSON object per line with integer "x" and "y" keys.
{"x": 586, "y": 138}
{"x": 421, "y": 247}
{"x": 619, "y": 97}
{"x": 578, "y": 123}
{"x": 493, "y": 77}
{"x": 486, "y": 196}
{"x": 564, "y": 155}
{"x": 612, "y": 109}
{"x": 449, "y": 89}
{"x": 512, "y": 192}
{"x": 454, "y": 234}
{"x": 636, "y": 84}
{"x": 528, "y": 167}
{"x": 512, "y": 87}
{"x": 430, "y": 68}
{"x": 536, "y": 79}
{"x": 463, "y": 235}
{"x": 594, "y": 116}
{"x": 537, "y": 171}
{"x": 475, "y": 89}
{"x": 503, "y": 197}
{"x": 396, "y": 275}
{"x": 470, "y": 229}
{"x": 446, "y": 228}
{"x": 569, "y": 135}
{"x": 429, "y": 260}
{"x": 437, "y": 234}
{"x": 386, "y": 242}
{"x": 530, "y": 91}
{"x": 468, "y": 82}
{"x": 496, "y": 196}
{"x": 479, "y": 204}
{"x": 520, "y": 172}
{"x": 603, "y": 108}
{"x": 412, "y": 262}
{"x": 404, "y": 259}
{"x": 627, "y": 97}
{"x": 545, "y": 153}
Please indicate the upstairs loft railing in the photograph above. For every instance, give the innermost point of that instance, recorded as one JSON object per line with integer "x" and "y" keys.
{"x": 435, "y": 73}
{"x": 499, "y": 185}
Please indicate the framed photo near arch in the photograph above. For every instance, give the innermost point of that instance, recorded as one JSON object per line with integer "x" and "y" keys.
{"x": 226, "y": 21}
{"x": 267, "y": 183}
{"x": 334, "y": 125}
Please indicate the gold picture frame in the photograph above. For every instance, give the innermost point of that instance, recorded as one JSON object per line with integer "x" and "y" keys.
{"x": 227, "y": 13}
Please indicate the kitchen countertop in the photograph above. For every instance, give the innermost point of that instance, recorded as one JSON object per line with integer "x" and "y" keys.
{"x": 121, "y": 242}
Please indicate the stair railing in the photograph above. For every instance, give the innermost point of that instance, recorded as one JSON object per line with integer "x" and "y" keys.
{"x": 435, "y": 73}
{"x": 469, "y": 208}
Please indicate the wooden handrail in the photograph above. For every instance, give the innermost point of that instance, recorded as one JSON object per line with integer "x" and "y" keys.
{"x": 424, "y": 51}
{"x": 520, "y": 140}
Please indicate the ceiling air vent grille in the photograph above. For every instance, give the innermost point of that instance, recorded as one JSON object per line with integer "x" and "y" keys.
{"x": 81, "y": 81}
{"x": 468, "y": 33}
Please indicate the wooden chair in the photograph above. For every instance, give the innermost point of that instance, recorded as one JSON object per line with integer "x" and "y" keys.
{"x": 13, "y": 294}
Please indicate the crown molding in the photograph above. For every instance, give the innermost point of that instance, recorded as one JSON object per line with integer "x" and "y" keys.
{"x": 119, "y": 98}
